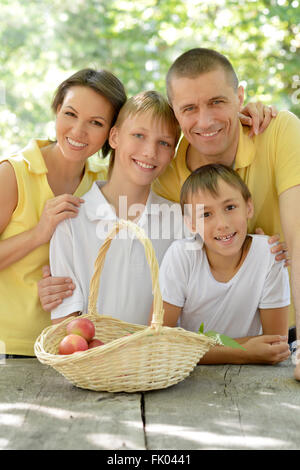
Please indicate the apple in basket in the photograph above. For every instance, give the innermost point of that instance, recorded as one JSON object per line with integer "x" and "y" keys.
{"x": 72, "y": 343}
{"x": 82, "y": 327}
{"x": 95, "y": 343}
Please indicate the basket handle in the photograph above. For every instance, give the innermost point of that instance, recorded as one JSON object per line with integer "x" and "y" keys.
{"x": 158, "y": 311}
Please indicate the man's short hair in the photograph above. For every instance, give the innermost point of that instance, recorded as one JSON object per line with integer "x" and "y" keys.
{"x": 197, "y": 61}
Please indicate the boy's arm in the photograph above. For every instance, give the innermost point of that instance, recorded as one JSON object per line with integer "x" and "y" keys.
{"x": 270, "y": 348}
{"x": 265, "y": 349}
{"x": 275, "y": 321}
{"x": 62, "y": 263}
{"x": 172, "y": 313}
{"x": 59, "y": 320}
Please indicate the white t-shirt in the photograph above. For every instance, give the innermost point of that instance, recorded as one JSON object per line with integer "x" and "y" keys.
{"x": 231, "y": 307}
{"x": 125, "y": 290}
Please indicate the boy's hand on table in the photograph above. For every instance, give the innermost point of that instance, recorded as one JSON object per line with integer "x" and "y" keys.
{"x": 52, "y": 290}
{"x": 279, "y": 247}
{"x": 267, "y": 349}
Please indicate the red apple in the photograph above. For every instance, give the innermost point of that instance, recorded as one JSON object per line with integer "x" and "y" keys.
{"x": 94, "y": 343}
{"x": 72, "y": 343}
{"x": 82, "y": 327}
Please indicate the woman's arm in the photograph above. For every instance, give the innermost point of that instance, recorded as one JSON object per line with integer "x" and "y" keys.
{"x": 14, "y": 248}
{"x": 57, "y": 209}
{"x": 257, "y": 116}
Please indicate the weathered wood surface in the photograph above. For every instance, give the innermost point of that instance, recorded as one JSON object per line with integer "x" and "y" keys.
{"x": 217, "y": 407}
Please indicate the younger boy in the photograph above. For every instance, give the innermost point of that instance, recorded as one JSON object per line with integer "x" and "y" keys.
{"x": 231, "y": 282}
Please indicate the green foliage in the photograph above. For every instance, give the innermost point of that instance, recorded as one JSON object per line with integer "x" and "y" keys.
{"x": 221, "y": 339}
{"x": 43, "y": 42}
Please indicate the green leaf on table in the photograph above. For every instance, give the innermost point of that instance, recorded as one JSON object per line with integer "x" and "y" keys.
{"x": 224, "y": 340}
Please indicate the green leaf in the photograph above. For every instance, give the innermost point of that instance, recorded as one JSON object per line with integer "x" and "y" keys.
{"x": 201, "y": 329}
{"x": 224, "y": 340}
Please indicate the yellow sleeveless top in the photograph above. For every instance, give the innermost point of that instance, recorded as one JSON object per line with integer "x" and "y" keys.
{"x": 21, "y": 315}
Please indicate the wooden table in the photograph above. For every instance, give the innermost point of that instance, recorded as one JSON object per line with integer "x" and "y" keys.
{"x": 216, "y": 407}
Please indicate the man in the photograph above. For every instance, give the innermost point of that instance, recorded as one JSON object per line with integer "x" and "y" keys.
{"x": 204, "y": 93}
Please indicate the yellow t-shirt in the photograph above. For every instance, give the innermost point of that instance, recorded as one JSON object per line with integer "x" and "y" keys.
{"x": 21, "y": 315}
{"x": 268, "y": 163}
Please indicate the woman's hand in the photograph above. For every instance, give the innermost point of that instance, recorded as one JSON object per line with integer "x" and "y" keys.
{"x": 258, "y": 116}
{"x": 52, "y": 290}
{"x": 279, "y": 247}
{"x": 55, "y": 211}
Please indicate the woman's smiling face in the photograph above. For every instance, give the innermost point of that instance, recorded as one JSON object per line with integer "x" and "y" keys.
{"x": 83, "y": 123}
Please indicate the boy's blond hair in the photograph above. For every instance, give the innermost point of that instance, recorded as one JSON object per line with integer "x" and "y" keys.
{"x": 147, "y": 102}
{"x": 206, "y": 178}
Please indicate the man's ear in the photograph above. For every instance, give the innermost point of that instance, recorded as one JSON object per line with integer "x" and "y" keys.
{"x": 113, "y": 137}
{"x": 241, "y": 96}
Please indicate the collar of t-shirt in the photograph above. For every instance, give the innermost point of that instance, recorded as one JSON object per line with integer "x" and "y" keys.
{"x": 98, "y": 208}
{"x": 246, "y": 149}
{"x": 33, "y": 157}
{"x": 244, "y": 157}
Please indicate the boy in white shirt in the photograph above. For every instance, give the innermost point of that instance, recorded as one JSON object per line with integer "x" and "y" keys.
{"x": 231, "y": 282}
{"x": 144, "y": 139}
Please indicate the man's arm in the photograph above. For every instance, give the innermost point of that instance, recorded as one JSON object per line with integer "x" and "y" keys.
{"x": 289, "y": 202}
{"x": 52, "y": 290}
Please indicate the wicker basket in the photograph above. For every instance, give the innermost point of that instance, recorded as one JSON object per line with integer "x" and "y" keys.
{"x": 151, "y": 357}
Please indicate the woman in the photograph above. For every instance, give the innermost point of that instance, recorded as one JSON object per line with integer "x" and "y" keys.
{"x": 40, "y": 187}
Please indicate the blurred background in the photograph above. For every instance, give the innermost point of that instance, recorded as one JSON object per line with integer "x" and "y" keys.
{"x": 43, "y": 42}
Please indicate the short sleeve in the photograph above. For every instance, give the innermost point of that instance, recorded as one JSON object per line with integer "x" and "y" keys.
{"x": 276, "y": 291}
{"x": 62, "y": 264}
{"x": 174, "y": 274}
{"x": 287, "y": 151}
